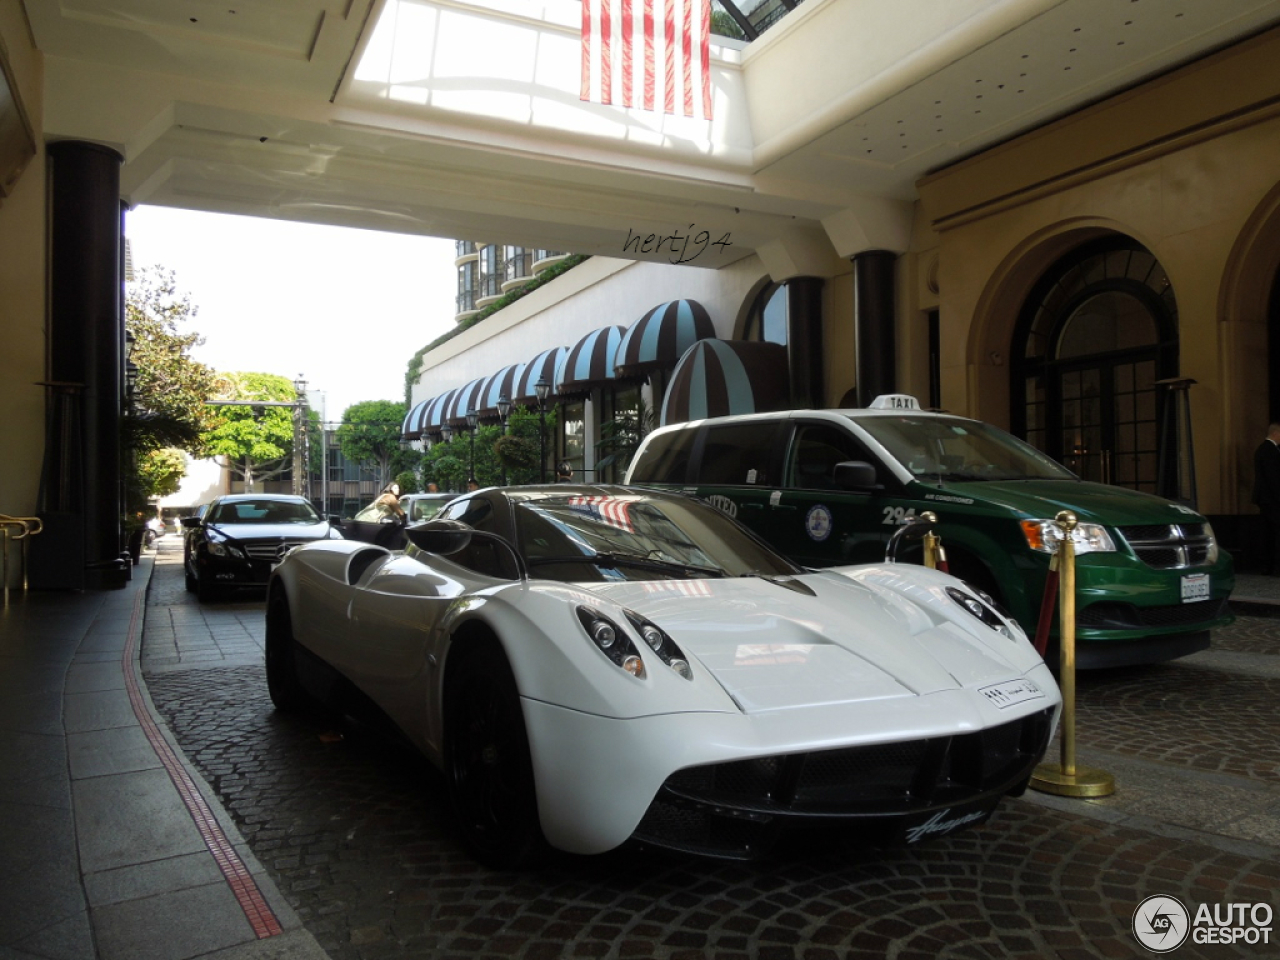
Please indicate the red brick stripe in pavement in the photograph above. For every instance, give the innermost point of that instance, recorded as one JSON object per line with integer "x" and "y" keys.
{"x": 238, "y": 877}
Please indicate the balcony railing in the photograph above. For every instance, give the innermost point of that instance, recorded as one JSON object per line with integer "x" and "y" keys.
{"x": 519, "y": 267}
{"x": 490, "y": 286}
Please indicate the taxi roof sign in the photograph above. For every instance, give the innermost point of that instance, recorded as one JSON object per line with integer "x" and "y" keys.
{"x": 894, "y": 401}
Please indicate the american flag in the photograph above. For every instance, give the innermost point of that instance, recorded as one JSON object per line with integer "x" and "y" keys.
{"x": 611, "y": 510}
{"x": 647, "y": 54}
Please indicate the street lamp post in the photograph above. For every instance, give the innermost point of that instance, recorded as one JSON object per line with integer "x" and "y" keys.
{"x": 541, "y": 389}
{"x": 504, "y": 411}
{"x": 472, "y": 419}
{"x": 301, "y": 480}
{"x": 446, "y": 433}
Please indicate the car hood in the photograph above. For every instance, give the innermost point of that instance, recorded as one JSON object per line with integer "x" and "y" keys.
{"x": 772, "y": 646}
{"x": 273, "y": 531}
{"x": 1091, "y": 502}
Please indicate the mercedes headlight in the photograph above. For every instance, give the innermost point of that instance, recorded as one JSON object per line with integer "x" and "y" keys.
{"x": 220, "y": 546}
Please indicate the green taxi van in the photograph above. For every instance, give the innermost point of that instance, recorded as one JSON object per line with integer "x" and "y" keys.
{"x": 829, "y": 487}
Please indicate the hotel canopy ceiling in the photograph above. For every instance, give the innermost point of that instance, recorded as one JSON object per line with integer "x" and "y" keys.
{"x": 462, "y": 118}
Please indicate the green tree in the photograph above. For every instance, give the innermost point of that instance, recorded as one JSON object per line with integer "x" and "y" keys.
{"x": 370, "y": 436}
{"x": 161, "y": 471}
{"x": 167, "y": 413}
{"x": 256, "y": 440}
{"x": 448, "y": 464}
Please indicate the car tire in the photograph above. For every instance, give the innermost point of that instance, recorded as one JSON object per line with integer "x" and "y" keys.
{"x": 488, "y": 771}
{"x": 205, "y": 591}
{"x": 281, "y": 656}
{"x": 190, "y": 579}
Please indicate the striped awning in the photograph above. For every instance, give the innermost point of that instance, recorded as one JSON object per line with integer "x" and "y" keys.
{"x": 411, "y": 429}
{"x": 542, "y": 367}
{"x": 589, "y": 362}
{"x": 433, "y": 415}
{"x": 464, "y": 399}
{"x": 499, "y": 385}
{"x": 661, "y": 337}
{"x": 716, "y": 378}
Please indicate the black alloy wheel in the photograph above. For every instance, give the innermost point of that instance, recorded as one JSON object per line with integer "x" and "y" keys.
{"x": 487, "y": 766}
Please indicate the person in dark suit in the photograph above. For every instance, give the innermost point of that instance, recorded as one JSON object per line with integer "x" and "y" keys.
{"x": 1266, "y": 493}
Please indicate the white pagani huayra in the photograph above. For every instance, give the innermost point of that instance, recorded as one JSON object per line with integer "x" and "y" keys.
{"x": 591, "y": 665}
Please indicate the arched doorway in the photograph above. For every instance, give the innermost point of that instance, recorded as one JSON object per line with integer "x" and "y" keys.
{"x": 1093, "y": 338}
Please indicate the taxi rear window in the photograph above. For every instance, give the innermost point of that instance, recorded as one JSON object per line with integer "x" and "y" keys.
{"x": 736, "y": 453}
{"x": 665, "y": 458}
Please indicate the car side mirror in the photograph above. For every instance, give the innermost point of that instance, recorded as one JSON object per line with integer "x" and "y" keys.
{"x": 334, "y": 520}
{"x": 442, "y": 537}
{"x": 190, "y": 523}
{"x": 855, "y": 475}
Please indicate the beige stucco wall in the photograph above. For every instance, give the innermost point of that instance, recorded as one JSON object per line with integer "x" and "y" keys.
{"x": 22, "y": 283}
{"x": 1195, "y": 186}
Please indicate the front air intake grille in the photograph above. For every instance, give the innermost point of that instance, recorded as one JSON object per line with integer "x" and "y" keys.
{"x": 854, "y": 780}
{"x": 274, "y": 549}
{"x": 1171, "y": 546}
{"x": 737, "y": 809}
{"x": 1126, "y": 616}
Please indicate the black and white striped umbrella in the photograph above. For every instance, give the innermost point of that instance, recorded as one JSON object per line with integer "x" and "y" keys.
{"x": 541, "y": 367}
{"x": 589, "y": 362}
{"x": 411, "y": 429}
{"x": 499, "y": 385}
{"x": 661, "y": 337}
{"x": 716, "y": 378}
{"x": 433, "y": 415}
{"x": 467, "y": 398}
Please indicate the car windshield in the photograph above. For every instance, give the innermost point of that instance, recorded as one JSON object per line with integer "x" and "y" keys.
{"x": 576, "y": 538}
{"x": 419, "y": 509}
{"x": 949, "y": 448}
{"x": 264, "y": 511}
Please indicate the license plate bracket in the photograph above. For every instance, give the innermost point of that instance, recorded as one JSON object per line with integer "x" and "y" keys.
{"x": 1195, "y": 587}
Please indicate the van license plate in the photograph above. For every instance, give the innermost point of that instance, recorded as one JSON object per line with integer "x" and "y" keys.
{"x": 1195, "y": 587}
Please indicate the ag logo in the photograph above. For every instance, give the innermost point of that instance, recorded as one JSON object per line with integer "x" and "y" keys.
{"x": 817, "y": 523}
{"x": 1161, "y": 924}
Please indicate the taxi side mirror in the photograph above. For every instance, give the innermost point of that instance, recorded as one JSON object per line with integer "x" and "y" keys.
{"x": 855, "y": 475}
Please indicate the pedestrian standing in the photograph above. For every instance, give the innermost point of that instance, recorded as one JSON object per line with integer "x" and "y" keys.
{"x": 1266, "y": 494}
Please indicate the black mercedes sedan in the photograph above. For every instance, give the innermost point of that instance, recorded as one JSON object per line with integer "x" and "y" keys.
{"x": 238, "y": 540}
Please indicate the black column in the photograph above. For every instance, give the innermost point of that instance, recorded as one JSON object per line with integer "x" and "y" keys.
{"x": 804, "y": 342}
{"x": 86, "y": 351}
{"x": 873, "y": 319}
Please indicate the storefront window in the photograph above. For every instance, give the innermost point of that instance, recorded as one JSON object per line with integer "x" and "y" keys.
{"x": 573, "y": 437}
{"x": 620, "y": 432}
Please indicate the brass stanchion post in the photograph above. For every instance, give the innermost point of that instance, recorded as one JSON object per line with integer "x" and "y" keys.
{"x": 1067, "y": 779}
{"x": 932, "y": 542}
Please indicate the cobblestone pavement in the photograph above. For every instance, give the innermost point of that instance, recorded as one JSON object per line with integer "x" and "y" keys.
{"x": 354, "y": 829}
